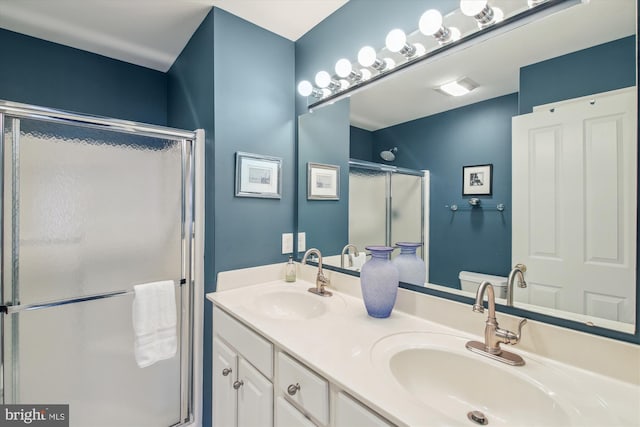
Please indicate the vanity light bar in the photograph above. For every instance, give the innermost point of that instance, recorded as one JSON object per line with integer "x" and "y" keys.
{"x": 372, "y": 65}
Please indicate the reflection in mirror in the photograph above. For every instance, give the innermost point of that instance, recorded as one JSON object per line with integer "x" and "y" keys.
{"x": 555, "y": 115}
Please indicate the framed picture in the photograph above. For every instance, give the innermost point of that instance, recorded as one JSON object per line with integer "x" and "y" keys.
{"x": 477, "y": 180}
{"x": 258, "y": 176}
{"x": 323, "y": 182}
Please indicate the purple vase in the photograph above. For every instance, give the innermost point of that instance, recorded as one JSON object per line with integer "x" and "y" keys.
{"x": 379, "y": 281}
{"x": 412, "y": 269}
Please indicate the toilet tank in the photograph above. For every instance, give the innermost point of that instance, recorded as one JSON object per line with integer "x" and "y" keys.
{"x": 469, "y": 281}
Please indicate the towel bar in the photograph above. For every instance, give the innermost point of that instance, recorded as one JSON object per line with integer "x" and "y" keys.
{"x": 10, "y": 309}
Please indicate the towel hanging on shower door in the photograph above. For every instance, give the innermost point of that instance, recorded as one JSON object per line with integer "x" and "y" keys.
{"x": 154, "y": 322}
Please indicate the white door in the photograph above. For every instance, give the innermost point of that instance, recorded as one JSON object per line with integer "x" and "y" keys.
{"x": 225, "y": 367}
{"x": 574, "y": 205}
{"x": 255, "y": 397}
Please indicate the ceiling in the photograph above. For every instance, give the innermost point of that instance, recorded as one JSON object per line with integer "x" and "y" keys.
{"x": 150, "y": 33}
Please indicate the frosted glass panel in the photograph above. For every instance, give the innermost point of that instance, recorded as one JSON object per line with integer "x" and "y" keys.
{"x": 406, "y": 209}
{"x": 89, "y": 211}
{"x": 98, "y": 211}
{"x": 367, "y": 207}
{"x": 82, "y": 355}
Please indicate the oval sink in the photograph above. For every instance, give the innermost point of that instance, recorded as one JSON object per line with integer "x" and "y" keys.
{"x": 436, "y": 370}
{"x": 464, "y": 383}
{"x": 292, "y": 305}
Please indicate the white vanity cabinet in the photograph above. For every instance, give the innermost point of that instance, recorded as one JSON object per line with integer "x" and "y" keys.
{"x": 242, "y": 373}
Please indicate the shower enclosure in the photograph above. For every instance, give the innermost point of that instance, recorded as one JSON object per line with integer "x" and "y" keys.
{"x": 387, "y": 205}
{"x": 90, "y": 208}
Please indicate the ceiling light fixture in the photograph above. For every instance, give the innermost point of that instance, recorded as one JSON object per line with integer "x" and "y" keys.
{"x": 457, "y": 87}
{"x": 350, "y": 75}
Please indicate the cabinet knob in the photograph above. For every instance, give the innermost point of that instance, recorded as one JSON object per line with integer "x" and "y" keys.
{"x": 237, "y": 384}
{"x": 293, "y": 389}
{"x": 226, "y": 371}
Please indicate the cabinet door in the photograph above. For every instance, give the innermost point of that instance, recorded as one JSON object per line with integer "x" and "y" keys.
{"x": 225, "y": 368}
{"x": 350, "y": 413}
{"x": 255, "y": 397}
{"x": 288, "y": 416}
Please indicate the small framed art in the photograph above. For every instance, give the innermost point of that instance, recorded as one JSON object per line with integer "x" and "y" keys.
{"x": 258, "y": 176}
{"x": 477, "y": 180}
{"x": 323, "y": 182}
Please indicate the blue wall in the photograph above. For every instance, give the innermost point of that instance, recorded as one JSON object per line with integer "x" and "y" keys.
{"x": 323, "y": 137}
{"x": 242, "y": 109}
{"x": 472, "y": 240}
{"x": 42, "y": 73}
{"x": 191, "y": 93}
{"x": 361, "y": 144}
{"x": 598, "y": 69}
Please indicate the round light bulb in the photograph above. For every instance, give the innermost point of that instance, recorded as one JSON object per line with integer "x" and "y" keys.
{"x": 366, "y": 73}
{"x": 323, "y": 79}
{"x": 343, "y": 67}
{"x": 396, "y": 40}
{"x": 420, "y": 49}
{"x": 305, "y": 88}
{"x": 472, "y": 7}
{"x": 344, "y": 84}
{"x": 367, "y": 56}
{"x": 430, "y": 22}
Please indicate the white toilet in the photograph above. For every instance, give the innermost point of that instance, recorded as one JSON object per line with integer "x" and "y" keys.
{"x": 469, "y": 281}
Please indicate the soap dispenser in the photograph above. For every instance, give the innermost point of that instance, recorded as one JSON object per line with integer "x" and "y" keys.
{"x": 290, "y": 271}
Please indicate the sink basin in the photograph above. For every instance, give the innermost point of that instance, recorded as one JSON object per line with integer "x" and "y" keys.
{"x": 436, "y": 370}
{"x": 466, "y": 383}
{"x": 290, "y": 305}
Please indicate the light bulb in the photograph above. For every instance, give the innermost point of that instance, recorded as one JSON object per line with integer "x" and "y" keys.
{"x": 498, "y": 14}
{"x": 420, "y": 49}
{"x": 396, "y": 40}
{"x": 344, "y": 84}
{"x": 472, "y": 7}
{"x": 323, "y": 79}
{"x": 367, "y": 56}
{"x": 455, "y": 34}
{"x": 390, "y": 64}
{"x": 366, "y": 73}
{"x": 305, "y": 88}
{"x": 343, "y": 67}
{"x": 430, "y": 22}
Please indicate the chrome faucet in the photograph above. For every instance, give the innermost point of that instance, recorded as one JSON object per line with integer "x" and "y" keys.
{"x": 493, "y": 334}
{"x": 345, "y": 250}
{"x": 321, "y": 279}
{"x": 518, "y": 271}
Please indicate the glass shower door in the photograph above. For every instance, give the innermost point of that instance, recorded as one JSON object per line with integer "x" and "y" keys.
{"x": 89, "y": 212}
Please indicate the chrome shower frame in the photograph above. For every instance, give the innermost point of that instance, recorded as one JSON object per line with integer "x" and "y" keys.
{"x": 188, "y": 139}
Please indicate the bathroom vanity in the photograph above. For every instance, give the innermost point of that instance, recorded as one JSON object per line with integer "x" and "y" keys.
{"x": 285, "y": 357}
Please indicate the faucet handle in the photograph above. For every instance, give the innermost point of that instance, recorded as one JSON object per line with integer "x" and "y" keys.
{"x": 509, "y": 337}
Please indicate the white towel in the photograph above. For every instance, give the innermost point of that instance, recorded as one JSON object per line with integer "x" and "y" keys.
{"x": 154, "y": 322}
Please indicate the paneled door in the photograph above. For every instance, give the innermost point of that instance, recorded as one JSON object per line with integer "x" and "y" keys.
{"x": 574, "y": 205}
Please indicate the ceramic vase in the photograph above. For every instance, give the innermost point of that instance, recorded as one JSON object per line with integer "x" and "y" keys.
{"x": 379, "y": 281}
{"x": 411, "y": 267}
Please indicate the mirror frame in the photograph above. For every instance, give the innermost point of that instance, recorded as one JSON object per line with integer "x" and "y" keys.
{"x": 519, "y": 19}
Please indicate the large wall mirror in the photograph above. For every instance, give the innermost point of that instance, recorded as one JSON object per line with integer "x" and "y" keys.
{"x": 554, "y": 114}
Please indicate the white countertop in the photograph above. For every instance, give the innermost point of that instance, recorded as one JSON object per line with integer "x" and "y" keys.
{"x": 338, "y": 345}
